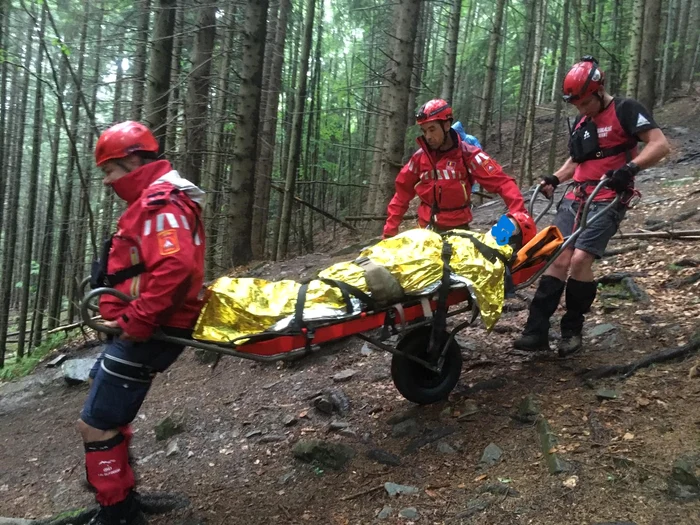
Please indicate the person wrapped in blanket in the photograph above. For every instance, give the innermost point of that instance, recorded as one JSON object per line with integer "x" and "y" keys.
{"x": 603, "y": 144}
{"x": 157, "y": 258}
{"x": 442, "y": 173}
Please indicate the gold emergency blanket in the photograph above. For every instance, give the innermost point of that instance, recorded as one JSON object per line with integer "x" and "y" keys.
{"x": 237, "y": 307}
{"x": 487, "y": 278}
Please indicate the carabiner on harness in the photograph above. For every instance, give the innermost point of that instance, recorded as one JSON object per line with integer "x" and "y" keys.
{"x": 631, "y": 198}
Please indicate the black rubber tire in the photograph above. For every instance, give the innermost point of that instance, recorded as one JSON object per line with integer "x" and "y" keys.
{"x": 415, "y": 382}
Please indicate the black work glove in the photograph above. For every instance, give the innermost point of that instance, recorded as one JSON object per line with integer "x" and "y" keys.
{"x": 621, "y": 179}
{"x": 551, "y": 179}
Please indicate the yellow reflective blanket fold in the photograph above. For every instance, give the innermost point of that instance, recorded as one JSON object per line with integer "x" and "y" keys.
{"x": 237, "y": 307}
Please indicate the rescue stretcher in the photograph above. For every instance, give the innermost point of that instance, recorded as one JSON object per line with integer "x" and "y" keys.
{"x": 426, "y": 360}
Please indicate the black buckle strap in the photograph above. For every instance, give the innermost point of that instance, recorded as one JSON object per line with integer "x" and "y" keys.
{"x": 439, "y": 325}
{"x": 347, "y": 290}
{"x": 491, "y": 254}
{"x": 615, "y": 150}
{"x": 389, "y": 327}
{"x": 113, "y": 279}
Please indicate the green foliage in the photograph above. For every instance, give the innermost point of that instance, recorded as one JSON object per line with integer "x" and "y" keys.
{"x": 19, "y": 368}
{"x": 61, "y": 45}
{"x": 69, "y": 514}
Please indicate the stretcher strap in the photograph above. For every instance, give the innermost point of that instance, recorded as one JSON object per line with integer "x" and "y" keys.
{"x": 491, "y": 254}
{"x": 346, "y": 290}
{"x": 440, "y": 315}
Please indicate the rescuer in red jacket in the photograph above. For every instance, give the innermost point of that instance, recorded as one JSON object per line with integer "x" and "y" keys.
{"x": 442, "y": 173}
{"x": 157, "y": 258}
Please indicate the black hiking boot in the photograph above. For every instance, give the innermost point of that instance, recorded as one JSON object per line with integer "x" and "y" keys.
{"x": 579, "y": 298}
{"x": 127, "y": 512}
{"x": 569, "y": 345}
{"x": 535, "y": 336}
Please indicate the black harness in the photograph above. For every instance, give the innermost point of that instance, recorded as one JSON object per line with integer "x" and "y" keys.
{"x": 584, "y": 145}
{"x": 99, "y": 277}
{"x": 435, "y": 207}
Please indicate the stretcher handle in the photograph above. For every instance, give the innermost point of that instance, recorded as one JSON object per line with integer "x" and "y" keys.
{"x": 533, "y": 199}
{"x": 584, "y": 222}
{"x": 87, "y": 305}
{"x": 92, "y": 305}
{"x": 95, "y": 324}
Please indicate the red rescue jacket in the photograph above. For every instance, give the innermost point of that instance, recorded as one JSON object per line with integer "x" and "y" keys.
{"x": 448, "y": 177}
{"x": 161, "y": 229}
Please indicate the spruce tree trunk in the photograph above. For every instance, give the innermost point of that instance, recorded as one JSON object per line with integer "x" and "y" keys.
{"x": 635, "y": 48}
{"x": 237, "y": 245}
{"x": 525, "y": 80}
{"x": 577, "y": 19}
{"x": 197, "y": 113}
{"x": 693, "y": 41}
{"x": 46, "y": 253}
{"x": 693, "y": 67}
{"x": 448, "y": 74}
{"x": 32, "y": 191}
{"x": 62, "y": 267}
{"x": 668, "y": 52}
{"x": 268, "y": 136}
{"x": 286, "y": 126}
{"x": 85, "y": 215}
{"x": 108, "y": 194}
{"x": 490, "y": 78}
{"x": 540, "y": 8}
{"x": 156, "y": 114}
{"x": 215, "y": 180}
{"x": 418, "y": 68}
{"x": 379, "y": 137}
{"x": 13, "y": 199}
{"x": 171, "y": 141}
{"x": 682, "y": 55}
{"x": 616, "y": 68}
{"x": 4, "y": 28}
{"x": 295, "y": 141}
{"x": 561, "y": 72}
{"x": 406, "y": 22}
{"x": 646, "y": 87}
{"x": 501, "y": 87}
{"x": 139, "y": 79}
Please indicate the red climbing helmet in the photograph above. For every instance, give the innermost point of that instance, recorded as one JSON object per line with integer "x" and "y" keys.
{"x": 527, "y": 228}
{"x": 122, "y": 140}
{"x": 583, "y": 79}
{"x": 436, "y": 109}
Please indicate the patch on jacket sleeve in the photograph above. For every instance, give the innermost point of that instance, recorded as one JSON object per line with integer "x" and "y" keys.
{"x": 168, "y": 242}
{"x": 486, "y": 162}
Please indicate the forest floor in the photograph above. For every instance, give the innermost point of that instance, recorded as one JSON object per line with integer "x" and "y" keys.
{"x": 234, "y": 459}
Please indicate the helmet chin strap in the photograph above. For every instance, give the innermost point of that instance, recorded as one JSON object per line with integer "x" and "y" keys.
{"x": 445, "y": 134}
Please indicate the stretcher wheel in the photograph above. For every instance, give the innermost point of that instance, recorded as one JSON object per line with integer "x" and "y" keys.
{"x": 414, "y": 381}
